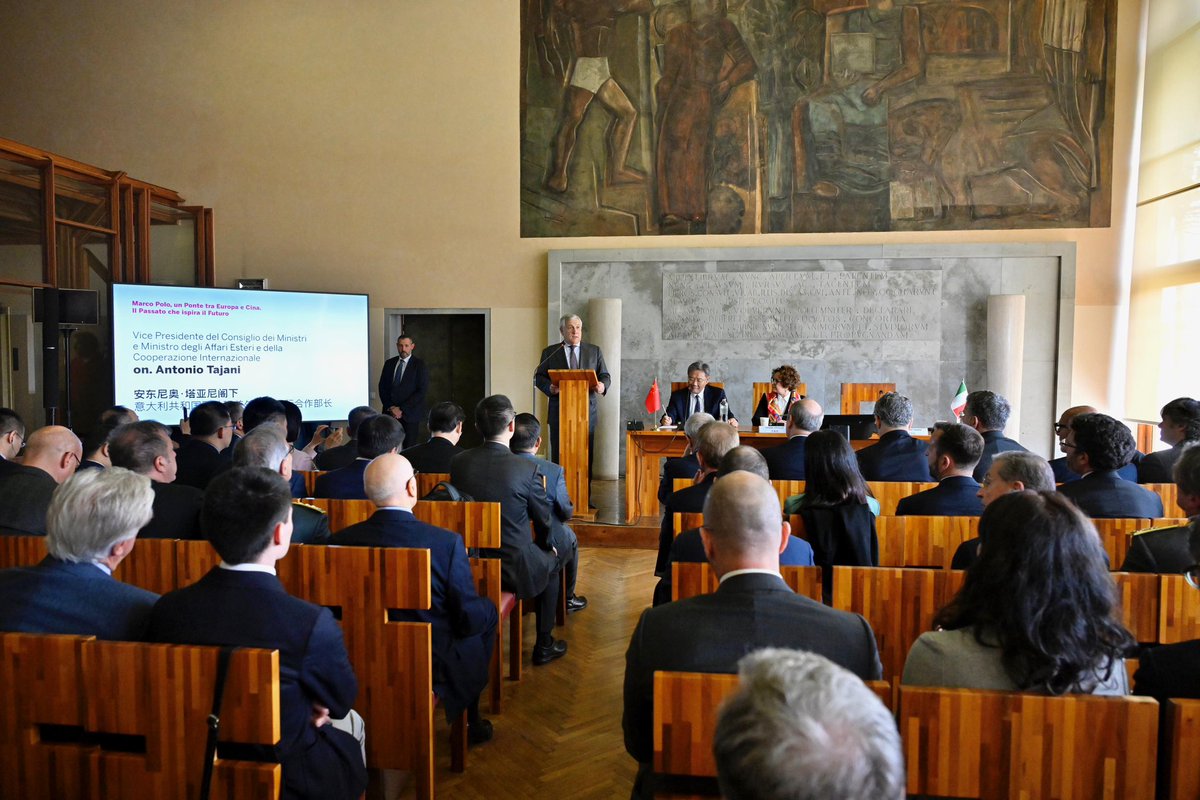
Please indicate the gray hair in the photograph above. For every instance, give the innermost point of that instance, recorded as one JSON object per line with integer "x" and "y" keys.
{"x": 700, "y": 366}
{"x": 803, "y": 419}
{"x": 989, "y": 408}
{"x": 93, "y": 510}
{"x": 1028, "y": 468}
{"x": 691, "y": 428}
{"x": 262, "y": 447}
{"x": 894, "y": 410}
{"x": 801, "y": 727}
{"x": 565, "y": 318}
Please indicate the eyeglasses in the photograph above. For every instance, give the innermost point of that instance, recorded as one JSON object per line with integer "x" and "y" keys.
{"x": 1192, "y": 575}
{"x": 1059, "y": 428}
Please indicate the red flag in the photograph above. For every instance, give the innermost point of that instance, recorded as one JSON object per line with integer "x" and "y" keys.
{"x": 653, "y": 400}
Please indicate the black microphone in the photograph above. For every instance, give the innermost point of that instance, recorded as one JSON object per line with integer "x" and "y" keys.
{"x": 561, "y": 346}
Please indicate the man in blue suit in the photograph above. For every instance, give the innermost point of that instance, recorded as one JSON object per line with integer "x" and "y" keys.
{"x": 463, "y": 623}
{"x": 526, "y": 440}
{"x": 403, "y": 384}
{"x": 696, "y": 397}
{"x": 93, "y": 522}
{"x": 247, "y": 517}
{"x": 1097, "y": 446}
{"x": 786, "y": 462}
{"x": 954, "y": 450}
{"x": 988, "y": 412}
{"x": 378, "y": 435}
{"x": 897, "y": 456}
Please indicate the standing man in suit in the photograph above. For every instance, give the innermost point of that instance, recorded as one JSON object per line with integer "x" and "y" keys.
{"x": 897, "y": 456}
{"x": 697, "y": 396}
{"x": 1165, "y": 550}
{"x": 265, "y": 447}
{"x": 241, "y": 603}
{"x": 92, "y": 525}
{"x": 954, "y": 450}
{"x": 988, "y": 412}
{"x": 463, "y": 623}
{"x": 378, "y": 435}
{"x": 145, "y": 448}
{"x": 51, "y": 456}
{"x": 445, "y": 429}
{"x": 571, "y": 353}
{"x": 492, "y": 473}
{"x": 753, "y": 608}
{"x": 526, "y": 440}
{"x": 1097, "y": 446}
{"x": 786, "y": 462}
{"x": 403, "y": 385}
{"x": 686, "y": 465}
{"x": 200, "y": 457}
{"x": 714, "y": 441}
{"x": 1180, "y": 426}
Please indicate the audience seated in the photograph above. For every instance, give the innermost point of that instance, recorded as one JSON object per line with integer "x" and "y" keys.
{"x": 714, "y": 440}
{"x": 12, "y": 438}
{"x": 1180, "y": 426}
{"x": 445, "y": 429}
{"x": 463, "y": 623}
{"x": 801, "y": 727}
{"x": 897, "y": 456}
{"x": 786, "y": 461}
{"x": 752, "y": 609}
{"x": 1037, "y": 613}
{"x": 264, "y": 447}
{"x": 1063, "y": 473}
{"x": 526, "y": 440}
{"x": 51, "y": 455}
{"x": 146, "y": 448}
{"x": 337, "y": 455}
{"x": 1097, "y": 446}
{"x": 377, "y": 435}
{"x": 988, "y": 412}
{"x": 236, "y": 409}
{"x": 492, "y": 473}
{"x": 118, "y": 415}
{"x": 1166, "y": 550}
{"x": 687, "y": 465}
{"x": 834, "y": 478}
{"x": 269, "y": 411}
{"x": 199, "y": 458}
{"x": 241, "y": 603}
{"x": 1173, "y": 670}
{"x": 954, "y": 450}
{"x": 92, "y": 525}
{"x": 1011, "y": 471}
{"x": 302, "y": 459}
{"x": 95, "y": 447}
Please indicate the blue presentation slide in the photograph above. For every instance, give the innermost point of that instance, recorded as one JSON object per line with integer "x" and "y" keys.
{"x": 175, "y": 347}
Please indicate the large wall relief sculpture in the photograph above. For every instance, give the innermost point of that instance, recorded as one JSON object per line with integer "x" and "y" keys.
{"x": 769, "y": 116}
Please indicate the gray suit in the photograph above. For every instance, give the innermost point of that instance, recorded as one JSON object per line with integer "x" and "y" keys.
{"x": 555, "y": 357}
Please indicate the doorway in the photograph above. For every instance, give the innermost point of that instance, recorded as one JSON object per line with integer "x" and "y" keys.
{"x": 454, "y": 344}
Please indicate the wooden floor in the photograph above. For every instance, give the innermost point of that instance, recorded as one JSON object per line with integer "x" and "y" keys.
{"x": 560, "y": 731}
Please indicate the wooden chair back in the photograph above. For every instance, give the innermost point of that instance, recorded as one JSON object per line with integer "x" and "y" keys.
{"x": 1007, "y": 744}
{"x": 477, "y": 522}
{"x": 1169, "y": 494}
{"x": 855, "y": 394}
{"x": 686, "y": 521}
{"x": 1138, "y": 593}
{"x": 310, "y": 480}
{"x": 1179, "y": 610}
{"x": 890, "y": 493}
{"x": 1116, "y": 536}
{"x": 161, "y": 694}
{"x": 677, "y": 385}
{"x": 889, "y": 531}
{"x": 427, "y": 480}
{"x": 343, "y": 513}
{"x": 759, "y": 388}
{"x": 783, "y": 489}
{"x": 1178, "y": 777}
{"x": 21, "y": 551}
{"x": 689, "y": 579}
{"x": 932, "y": 541}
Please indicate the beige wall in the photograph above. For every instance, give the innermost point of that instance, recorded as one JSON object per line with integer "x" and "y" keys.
{"x": 373, "y": 147}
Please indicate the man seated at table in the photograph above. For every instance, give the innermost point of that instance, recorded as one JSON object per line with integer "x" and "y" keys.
{"x": 897, "y": 456}
{"x": 685, "y": 466}
{"x": 50, "y": 457}
{"x": 696, "y": 397}
{"x": 1165, "y": 550}
{"x": 715, "y": 440}
{"x": 1097, "y": 446}
{"x": 953, "y": 452}
{"x": 445, "y": 429}
{"x": 92, "y": 525}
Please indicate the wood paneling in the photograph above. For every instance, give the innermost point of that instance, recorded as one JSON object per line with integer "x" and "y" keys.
{"x": 1138, "y": 596}
{"x": 1178, "y": 775}
{"x": 1115, "y": 536}
{"x": 890, "y": 493}
{"x": 855, "y": 394}
{"x": 427, "y": 480}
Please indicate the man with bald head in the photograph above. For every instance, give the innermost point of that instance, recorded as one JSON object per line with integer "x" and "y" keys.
{"x": 463, "y": 623}
{"x": 712, "y": 443}
{"x": 753, "y": 608}
{"x": 786, "y": 462}
{"x": 51, "y": 456}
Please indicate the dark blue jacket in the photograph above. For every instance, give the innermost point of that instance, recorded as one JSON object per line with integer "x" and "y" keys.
{"x": 897, "y": 456}
{"x": 956, "y": 496}
{"x": 1102, "y": 494}
{"x": 679, "y": 409}
{"x": 80, "y": 599}
{"x": 786, "y": 462}
{"x": 345, "y": 483}
{"x": 994, "y": 442}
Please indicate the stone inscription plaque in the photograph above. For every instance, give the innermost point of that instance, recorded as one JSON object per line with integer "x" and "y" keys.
{"x": 902, "y": 305}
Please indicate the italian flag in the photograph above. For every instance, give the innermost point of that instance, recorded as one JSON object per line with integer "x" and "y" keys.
{"x": 960, "y": 400}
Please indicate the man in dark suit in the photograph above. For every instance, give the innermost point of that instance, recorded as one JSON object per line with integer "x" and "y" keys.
{"x": 200, "y": 457}
{"x": 341, "y": 445}
{"x": 1097, "y": 446}
{"x": 95, "y": 447}
{"x": 751, "y": 610}
{"x": 526, "y": 441}
{"x": 897, "y": 456}
{"x": 445, "y": 429}
{"x": 988, "y": 412}
{"x": 265, "y": 447}
{"x": 1063, "y": 473}
{"x": 687, "y": 465}
{"x": 1173, "y": 670}
{"x": 145, "y": 448}
{"x": 12, "y": 436}
{"x": 954, "y": 451}
{"x": 786, "y": 462}
{"x": 378, "y": 435}
{"x": 492, "y": 473}
{"x": 403, "y": 384}
{"x": 1180, "y": 426}
{"x": 463, "y": 623}
{"x": 697, "y": 396}
{"x": 51, "y": 455}
{"x": 94, "y": 519}
{"x": 1165, "y": 550}
{"x": 714, "y": 441}
{"x": 571, "y": 353}
{"x": 1013, "y": 471}
{"x": 241, "y": 603}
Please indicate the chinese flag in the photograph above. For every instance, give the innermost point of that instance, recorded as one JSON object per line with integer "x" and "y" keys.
{"x": 653, "y": 400}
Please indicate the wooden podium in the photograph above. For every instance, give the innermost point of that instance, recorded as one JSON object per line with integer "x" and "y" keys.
{"x": 574, "y": 396}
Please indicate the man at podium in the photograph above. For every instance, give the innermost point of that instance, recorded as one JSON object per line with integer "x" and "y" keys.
{"x": 571, "y": 353}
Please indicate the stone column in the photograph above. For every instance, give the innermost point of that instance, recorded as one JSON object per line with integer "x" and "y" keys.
{"x": 1006, "y": 353}
{"x": 603, "y": 328}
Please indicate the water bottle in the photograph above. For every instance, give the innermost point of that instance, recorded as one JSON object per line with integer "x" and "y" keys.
{"x": 724, "y": 410}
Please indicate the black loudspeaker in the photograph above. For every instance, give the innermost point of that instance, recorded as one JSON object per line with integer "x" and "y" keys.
{"x": 50, "y": 319}
{"x": 73, "y": 306}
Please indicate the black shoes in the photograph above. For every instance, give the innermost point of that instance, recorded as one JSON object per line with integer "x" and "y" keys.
{"x": 545, "y": 653}
{"x": 576, "y": 602}
{"x": 479, "y": 732}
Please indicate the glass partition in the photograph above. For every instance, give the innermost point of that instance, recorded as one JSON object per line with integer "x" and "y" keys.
{"x": 22, "y": 223}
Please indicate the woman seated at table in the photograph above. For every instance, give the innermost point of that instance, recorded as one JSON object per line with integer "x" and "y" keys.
{"x": 774, "y": 405}
{"x": 831, "y": 475}
{"x": 1038, "y": 611}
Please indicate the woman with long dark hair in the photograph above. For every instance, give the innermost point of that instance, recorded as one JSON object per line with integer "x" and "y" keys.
{"x": 1038, "y": 611}
{"x": 831, "y": 475}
